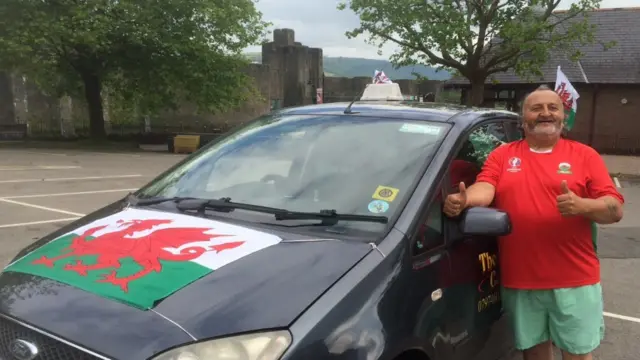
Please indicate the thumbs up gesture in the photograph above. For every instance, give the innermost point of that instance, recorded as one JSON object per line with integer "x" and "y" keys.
{"x": 455, "y": 203}
{"x": 569, "y": 204}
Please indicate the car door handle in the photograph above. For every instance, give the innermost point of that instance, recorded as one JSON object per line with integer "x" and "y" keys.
{"x": 436, "y": 295}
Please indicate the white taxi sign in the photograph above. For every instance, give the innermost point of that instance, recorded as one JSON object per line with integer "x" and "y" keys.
{"x": 382, "y": 92}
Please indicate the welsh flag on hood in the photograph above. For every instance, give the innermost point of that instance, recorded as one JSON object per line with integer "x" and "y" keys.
{"x": 139, "y": 256}
{"x": 569, "y": 97}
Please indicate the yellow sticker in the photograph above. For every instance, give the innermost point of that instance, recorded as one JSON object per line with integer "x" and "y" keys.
{"x": 385, "y": 193}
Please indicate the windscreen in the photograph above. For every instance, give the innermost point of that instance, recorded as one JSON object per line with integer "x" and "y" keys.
{"x": 350, "y": 164}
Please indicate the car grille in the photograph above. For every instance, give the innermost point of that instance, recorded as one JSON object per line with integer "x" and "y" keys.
{"x": 48, "y": 348}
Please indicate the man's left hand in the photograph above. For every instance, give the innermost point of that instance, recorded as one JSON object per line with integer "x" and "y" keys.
{"x": 569, "y": 204}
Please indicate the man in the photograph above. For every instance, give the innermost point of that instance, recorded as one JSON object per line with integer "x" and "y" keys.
{"x": 553, "y": 190}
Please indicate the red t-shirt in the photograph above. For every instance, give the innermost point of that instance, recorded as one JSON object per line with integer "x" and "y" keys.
{"x": 546, "y": 250}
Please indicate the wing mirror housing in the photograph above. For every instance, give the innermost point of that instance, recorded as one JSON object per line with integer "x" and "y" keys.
{"x": 483, "y": 221}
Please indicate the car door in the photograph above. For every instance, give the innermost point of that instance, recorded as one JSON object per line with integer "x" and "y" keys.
{"x": 431, "y": 269}
{"x": 474, "y": 259}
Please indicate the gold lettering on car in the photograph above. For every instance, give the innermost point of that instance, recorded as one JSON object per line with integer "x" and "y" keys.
{"x": 488, "y": 288}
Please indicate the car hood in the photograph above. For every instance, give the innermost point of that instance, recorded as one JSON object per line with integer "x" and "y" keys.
{"x": 267, "y": 288}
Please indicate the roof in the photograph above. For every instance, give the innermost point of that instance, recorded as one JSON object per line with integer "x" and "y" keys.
{"x": 410, "y": 110}
{"x": 617, "y": 65}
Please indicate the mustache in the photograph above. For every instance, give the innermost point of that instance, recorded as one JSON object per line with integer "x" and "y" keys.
{"x": 533, "y": 125}
{"x": 546, "y": 119}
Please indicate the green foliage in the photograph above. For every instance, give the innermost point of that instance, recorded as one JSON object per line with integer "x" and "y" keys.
{"x": 149, "y": 55}
{"x": 474, "y": 38}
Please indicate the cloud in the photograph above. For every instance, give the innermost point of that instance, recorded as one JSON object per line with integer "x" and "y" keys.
{"x": 320, "y": 24}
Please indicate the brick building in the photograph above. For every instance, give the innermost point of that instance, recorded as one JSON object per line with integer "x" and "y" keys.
{"x": 608, "y": 82}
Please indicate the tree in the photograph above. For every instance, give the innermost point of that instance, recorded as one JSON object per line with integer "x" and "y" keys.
{"x": 153, "y": 53}
{"x": 475, "y": 38}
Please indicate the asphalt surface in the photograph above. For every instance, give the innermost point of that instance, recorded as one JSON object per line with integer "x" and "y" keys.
{"x": 41, "y": 190}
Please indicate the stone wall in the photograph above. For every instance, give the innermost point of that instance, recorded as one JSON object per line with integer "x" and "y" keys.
{"x": 289, "y": 75}
{"x": 267, "y": 81}
{"x": 7, "y": 108}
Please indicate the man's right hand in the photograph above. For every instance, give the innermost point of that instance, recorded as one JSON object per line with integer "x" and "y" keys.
{"x": 455, "y": 203}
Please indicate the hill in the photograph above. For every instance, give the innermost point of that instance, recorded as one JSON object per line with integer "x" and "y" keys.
{"x": 352, "y": 67}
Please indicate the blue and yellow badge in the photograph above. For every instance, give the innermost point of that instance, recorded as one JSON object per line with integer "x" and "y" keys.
{"x": 378, "y": 206}
{"x": 385, "y": 193}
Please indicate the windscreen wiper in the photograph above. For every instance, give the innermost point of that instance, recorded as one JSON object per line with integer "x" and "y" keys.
{"x": 329, "y": 217}
{"x": 186, "y": 203}
{"x": 222, "y": 205}
{"x": 135, "y": 201}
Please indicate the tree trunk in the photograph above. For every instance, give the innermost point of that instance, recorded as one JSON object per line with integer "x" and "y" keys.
{"x": 92, "y": 93}
{"x": 476, "y": 95}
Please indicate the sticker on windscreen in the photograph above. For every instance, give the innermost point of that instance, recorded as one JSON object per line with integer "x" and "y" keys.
{"x": 378, "y": 206}
{"x": 385, "y": 193}
{"x": 420, "y": 129}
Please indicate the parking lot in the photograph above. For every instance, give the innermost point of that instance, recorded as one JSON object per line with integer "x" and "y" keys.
{"x": 41, "y": 190}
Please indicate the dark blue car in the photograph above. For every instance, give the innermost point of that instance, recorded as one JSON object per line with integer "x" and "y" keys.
{"x": 309, "y": 233}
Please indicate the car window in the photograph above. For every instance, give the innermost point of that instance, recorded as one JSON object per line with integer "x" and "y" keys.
{"x": 514, "y": 131}
{"x": 353, "y": 165}
{"x": 249, "y": 167}
{"x": 467, "y": 163}
{"x": 431, "y": 232}
{"x": 484, "y": 139}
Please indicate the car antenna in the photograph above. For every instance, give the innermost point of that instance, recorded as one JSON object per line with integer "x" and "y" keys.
{"x": 348, "y": 109}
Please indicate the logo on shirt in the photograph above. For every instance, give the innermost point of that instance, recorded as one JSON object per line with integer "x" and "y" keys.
{"x": 514, "y": 164}
{"x": 564, "y": 168}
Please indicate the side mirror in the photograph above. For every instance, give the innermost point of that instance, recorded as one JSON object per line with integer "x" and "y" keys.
{"x": 485, "y": 222}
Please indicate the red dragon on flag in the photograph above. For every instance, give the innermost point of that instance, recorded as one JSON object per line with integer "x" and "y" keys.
{"x": 140, "y": 257}
{"x": 565, "y": 95}
{"x": 146, "y": 251}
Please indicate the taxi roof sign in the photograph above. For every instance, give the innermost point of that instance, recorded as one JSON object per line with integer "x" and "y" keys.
{"x": 388, "y": 92}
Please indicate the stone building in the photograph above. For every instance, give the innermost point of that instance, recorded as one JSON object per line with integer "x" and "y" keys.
{"x": 300, "y": 67}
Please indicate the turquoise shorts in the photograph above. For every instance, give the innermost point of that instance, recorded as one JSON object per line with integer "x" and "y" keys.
{"x": 571, "y": 318}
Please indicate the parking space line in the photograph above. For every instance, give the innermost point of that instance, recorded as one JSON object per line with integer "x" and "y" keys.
{"x": 622, "y": 317}
{"x": 37, "y": 222}
{"x": 40, "y": 207}
{"x": 617, "y": 182}
{"x": 119, "y": 154}
{"x": 66, "y": 194}
{"x": 39, "y": 167}
{"x": 45, "y": 153}
{"x": 86, "y": 178}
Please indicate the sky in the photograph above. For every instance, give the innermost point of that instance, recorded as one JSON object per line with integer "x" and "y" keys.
{"x": 318, "y": 23}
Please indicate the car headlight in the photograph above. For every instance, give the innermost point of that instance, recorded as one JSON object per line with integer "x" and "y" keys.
{"x": 256, "y": 346}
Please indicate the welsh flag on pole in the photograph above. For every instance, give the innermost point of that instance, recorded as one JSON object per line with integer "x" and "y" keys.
{"x": 569, "y": 97}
